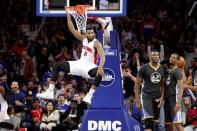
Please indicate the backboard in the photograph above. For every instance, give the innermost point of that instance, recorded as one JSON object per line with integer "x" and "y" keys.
{"x": 101, "y": 8}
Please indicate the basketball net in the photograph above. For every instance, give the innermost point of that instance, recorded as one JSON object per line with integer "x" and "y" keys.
{"x": 79, "y": 13}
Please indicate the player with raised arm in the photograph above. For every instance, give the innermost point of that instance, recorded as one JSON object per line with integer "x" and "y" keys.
{"x": 85, "y": 66}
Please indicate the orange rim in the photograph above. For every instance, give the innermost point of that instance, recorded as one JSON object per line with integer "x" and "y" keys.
{"x": 80, "y": 9}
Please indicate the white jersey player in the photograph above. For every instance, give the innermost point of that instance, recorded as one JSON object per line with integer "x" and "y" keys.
{"x": 85, "y": 66}
{"x": 87, "y": 61}
{"x": 4, "y": 106}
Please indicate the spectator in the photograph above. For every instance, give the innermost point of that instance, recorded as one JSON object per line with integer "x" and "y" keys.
{"x": 16, "y": 98}
{"x": 13, "y": 123}
{"x": 18, "y": 48}
{"x": 149, "y": 27}
{"x": 42, "y": 61}
{"x": 81, "y": 107}
{"x": 26, "y": 68}
{"x": 50, "y": 117}
{"x": 191, "y": 119}
{"x": 66, "y": 89}
{"x": 71, "y": 118}
{"x": 36, "y": 115}
{"x": 61, "y": 106}
{"x": 29, "y": 100}
{"x": 128, "y": 79}
{"x": 61, "y": 77}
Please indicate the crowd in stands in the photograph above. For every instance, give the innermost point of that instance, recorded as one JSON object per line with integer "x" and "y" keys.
{"x": 30, "y": 45}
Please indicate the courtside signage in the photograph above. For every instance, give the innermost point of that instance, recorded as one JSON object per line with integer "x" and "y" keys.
{"x": 109, "y": 77}
{"x": 111, "y": 52}
{"x": 104, "y": 125}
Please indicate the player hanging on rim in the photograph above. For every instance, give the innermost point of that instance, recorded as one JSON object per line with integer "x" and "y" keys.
{"x": 85, "y": 66}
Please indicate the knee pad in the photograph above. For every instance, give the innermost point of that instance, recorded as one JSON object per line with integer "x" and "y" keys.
{"x": 62, "y": 67}
{"x": 93, "y": 72}
{"x": 59, "y": 67}
{"x": 149, "y": 124}
{"x": 97, "y": 80}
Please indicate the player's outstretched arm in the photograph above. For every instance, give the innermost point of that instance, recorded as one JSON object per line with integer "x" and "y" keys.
{"x": 72, "y": 29}
{"x": 193, "y": 88}
{"x": 101, "y": 53}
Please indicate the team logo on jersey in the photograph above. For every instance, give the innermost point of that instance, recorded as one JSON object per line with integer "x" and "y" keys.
{"x": 109, "y": 77}
{"x": 155, "y": 77}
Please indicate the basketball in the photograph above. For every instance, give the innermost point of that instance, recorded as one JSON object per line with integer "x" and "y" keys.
{"x": 181, "y": 63}
{"x": 2, "y": 90}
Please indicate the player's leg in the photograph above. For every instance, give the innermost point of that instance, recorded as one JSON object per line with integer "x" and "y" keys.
{"x": 107, "y": 27}
{"x": 105, "y": 22}
{"x": 97, "y": 79}
{"x": 147, "y": 110}
{"x": 168, "y": 118}
{"x": 161, "y": 125}
{"x": 4, "y": 107}
{"x": 176, "y": 116}
{"x": 156, "y": 112}
{"x": 49, "y": 94}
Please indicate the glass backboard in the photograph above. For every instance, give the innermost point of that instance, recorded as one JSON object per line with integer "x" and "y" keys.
{"x": 100, "y": 8}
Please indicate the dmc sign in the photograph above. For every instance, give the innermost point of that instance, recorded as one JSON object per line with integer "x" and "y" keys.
{"x": 109, "y": 77}
{"x": 104, "y": 125}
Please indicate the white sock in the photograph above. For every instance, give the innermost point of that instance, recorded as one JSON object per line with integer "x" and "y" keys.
{"x": 91, "y": 91}
{"x": 110, "y": 26}
{"x": 51, "y": 87}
